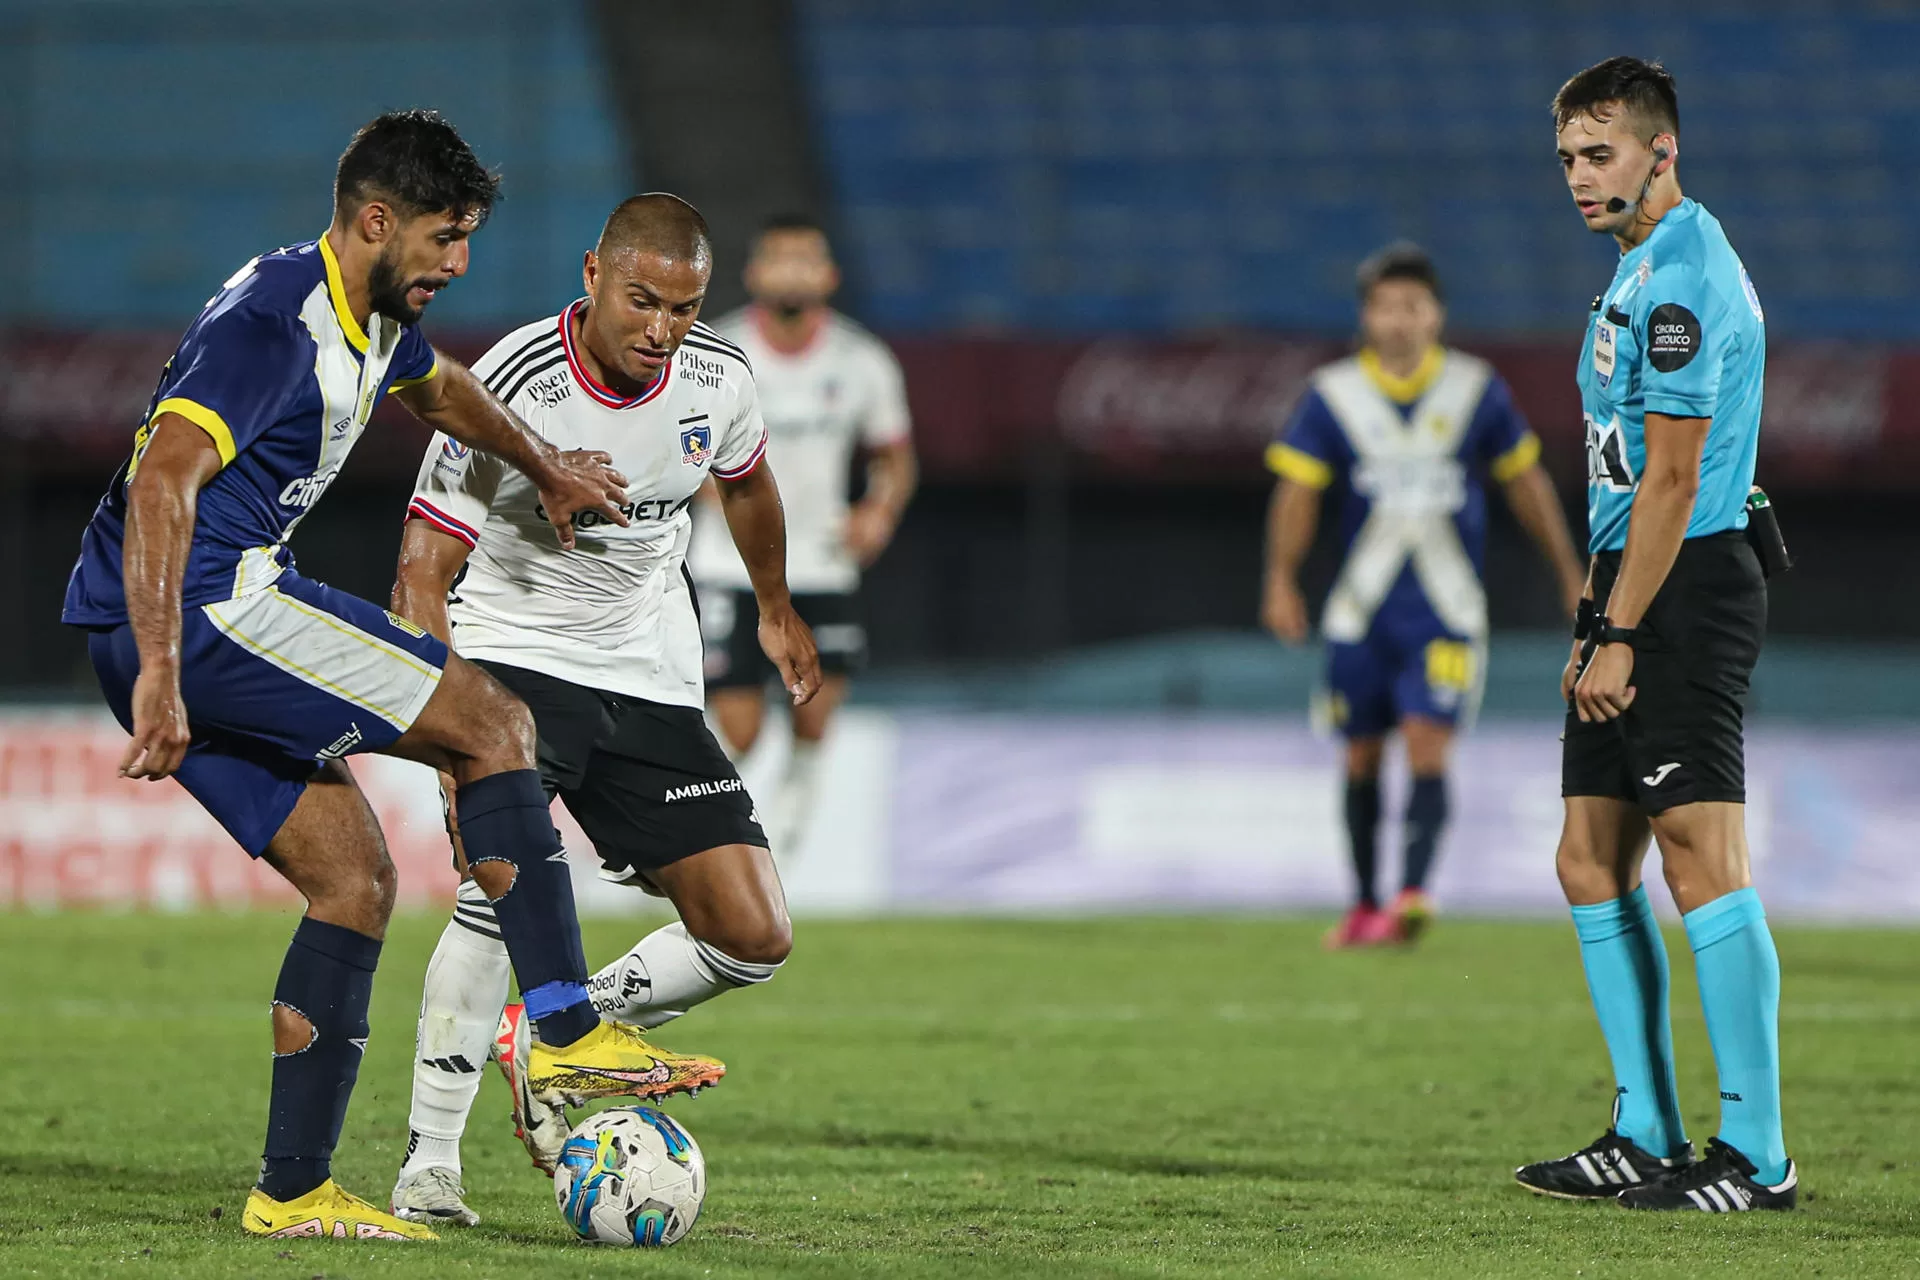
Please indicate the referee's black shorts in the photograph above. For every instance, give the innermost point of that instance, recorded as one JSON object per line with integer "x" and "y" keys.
{"x": 645, "y": 780}
{"x": 1682, "y": 740}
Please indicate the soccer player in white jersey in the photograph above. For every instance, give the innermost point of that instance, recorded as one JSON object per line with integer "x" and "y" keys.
{"x": 828, "y": 387}
{"x": 603, "y": 644}
{"x": 249, "y": 682}
{"x": 1407, "y": 433}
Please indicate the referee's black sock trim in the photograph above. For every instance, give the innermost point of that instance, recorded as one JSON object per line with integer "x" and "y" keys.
{"x": 1363, "y": 833}
{"x": 1426, "y": 820}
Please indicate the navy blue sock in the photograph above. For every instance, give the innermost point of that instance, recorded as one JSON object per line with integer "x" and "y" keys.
{"x": 327, "y": 978}
{"x": 504, "y": 818}
{"x": 1363, "y": 832}
{"x": 1426, "y": 819}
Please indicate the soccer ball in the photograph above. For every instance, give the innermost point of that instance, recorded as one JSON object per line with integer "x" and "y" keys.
{"x": 630, "y": 1175}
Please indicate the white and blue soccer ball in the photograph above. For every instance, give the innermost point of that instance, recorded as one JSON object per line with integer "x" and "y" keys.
{"x": 630, "y": 1175}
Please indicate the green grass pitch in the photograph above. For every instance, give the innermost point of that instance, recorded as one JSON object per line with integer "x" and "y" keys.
{"x": 1132, "y": 1097}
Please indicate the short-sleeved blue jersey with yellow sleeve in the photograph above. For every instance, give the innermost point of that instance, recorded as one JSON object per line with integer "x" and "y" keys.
{"x": 1408, "y": 459}
{"x": 1679, "y": 332}
{"x": 282, "y": 377}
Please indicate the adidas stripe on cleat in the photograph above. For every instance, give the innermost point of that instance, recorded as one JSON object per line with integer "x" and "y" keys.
{"x": 1600, "y": 1170}
{"x": 1722, "y": 1181}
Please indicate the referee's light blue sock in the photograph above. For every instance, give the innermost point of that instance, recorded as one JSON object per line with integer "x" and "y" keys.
{"x": 1626, "y": 963}
{"x": 1740, "y": 995}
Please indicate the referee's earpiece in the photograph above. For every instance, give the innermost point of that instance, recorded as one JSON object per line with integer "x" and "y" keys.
{"x": 1660, "y": 156}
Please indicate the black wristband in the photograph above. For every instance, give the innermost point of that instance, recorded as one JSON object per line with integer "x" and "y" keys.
{"x": 1605, "y": 632}
{"x": 1583, "y": 615}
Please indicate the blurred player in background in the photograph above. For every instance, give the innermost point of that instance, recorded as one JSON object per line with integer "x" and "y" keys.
{"x": 1670, "y": 627}
{"x": 827, "y": 388}
{"x": 1406, "y": 432}
{"x": 603, "y": 644}
{"x": 251, "y": 683}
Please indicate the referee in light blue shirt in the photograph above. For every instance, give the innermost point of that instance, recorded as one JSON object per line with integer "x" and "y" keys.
{"x": 1670, "y": 380}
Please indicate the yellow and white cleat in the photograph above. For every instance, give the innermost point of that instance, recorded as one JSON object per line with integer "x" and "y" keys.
{"x": 326, "y": 1212}
{"x": 613, "y": 1061}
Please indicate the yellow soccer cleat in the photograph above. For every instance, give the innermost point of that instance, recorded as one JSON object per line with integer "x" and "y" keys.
{"x": 612, "y": 1061}
{"x": 326, "y": 1212}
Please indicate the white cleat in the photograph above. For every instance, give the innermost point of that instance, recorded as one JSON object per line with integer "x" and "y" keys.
{"x": 433, "y": 1196}
{"x": 541, "y": 1128}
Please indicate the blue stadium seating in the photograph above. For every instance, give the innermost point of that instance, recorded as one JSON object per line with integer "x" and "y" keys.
{"x": 149, "y": 147}
{"x": 1100, "y": 165}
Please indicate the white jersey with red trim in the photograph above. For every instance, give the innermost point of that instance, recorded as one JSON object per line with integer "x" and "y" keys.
{"x": 843, "y": 389}
{"x": 616, "y": 612}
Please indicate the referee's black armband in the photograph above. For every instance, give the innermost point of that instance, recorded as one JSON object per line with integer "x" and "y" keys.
{"x": 1583, "y": 616}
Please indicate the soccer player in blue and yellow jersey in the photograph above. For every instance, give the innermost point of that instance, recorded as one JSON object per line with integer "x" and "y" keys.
{"x": 249, "y": 683}
{"x": 1676, "y": 608}
{"x": 1407, "y": 433}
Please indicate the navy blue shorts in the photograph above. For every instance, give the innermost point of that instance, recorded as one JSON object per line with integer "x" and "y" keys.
{"x": 1410, "y": 669}
{"x": 276, "y": 684}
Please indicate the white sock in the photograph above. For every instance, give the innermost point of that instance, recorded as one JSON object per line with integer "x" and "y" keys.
{"x": 793, "y": 801}
{"x": 667, "y": 973}
{"x": 459, "y": 1013}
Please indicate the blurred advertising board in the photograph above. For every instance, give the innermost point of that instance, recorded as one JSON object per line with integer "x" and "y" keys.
{"x": 1019, "y": 813}
{"x": 1193, "y": 411}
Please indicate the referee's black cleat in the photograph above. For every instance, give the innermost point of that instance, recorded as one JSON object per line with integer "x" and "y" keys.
{"x": 1722, "y": 1181}
{"x": 1600, "y": 1170}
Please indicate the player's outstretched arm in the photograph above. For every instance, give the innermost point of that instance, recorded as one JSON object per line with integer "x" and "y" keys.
{"x": 1662, "y": 509}
{"x": 759, "y": 527}
{"x": 1537, "y": 507}
{"x": 456, "y": 402}
{"x": 162, "y": 499}
{"x": 1292, "y": 517}
{"x": 892, "y": 475}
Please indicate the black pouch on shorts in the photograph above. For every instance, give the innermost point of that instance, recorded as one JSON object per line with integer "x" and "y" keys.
{"x": 1763, "y": 534}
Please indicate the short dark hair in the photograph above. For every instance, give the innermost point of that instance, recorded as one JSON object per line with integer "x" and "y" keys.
{"x": 1644, "y": 89}
{"x": 1401, "y": 260}
{"x": 657, "y": 222}
{"x": 791, "y": 222}
{"x": 419, "y": 163}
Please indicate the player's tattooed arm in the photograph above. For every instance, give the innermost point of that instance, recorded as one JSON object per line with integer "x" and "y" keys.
{"x": 1662, "y": 509}
{"x": 458, "y": 403}
{"x": 892, "y": 475}
{"x": 759, "y": 526}
{"x": 163, "y": 498}
{"x": 1291, "y": 519}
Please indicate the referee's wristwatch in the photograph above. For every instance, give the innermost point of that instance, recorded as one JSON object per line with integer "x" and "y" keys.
{"x": 1605, "y": 632}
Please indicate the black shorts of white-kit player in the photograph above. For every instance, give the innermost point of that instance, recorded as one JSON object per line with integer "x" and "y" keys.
{"x": 730, "y": 621}
{"x": 1682, "y": 740}
{"x": 645, "y": 780}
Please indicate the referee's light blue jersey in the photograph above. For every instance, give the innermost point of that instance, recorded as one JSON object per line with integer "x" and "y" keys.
{"x": 1678, "y": 332}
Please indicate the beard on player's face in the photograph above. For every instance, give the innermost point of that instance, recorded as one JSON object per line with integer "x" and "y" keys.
{"x": 388, "y": 286}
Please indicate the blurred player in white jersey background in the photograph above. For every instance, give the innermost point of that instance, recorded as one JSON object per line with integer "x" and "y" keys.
{"x": 828, "y": 389}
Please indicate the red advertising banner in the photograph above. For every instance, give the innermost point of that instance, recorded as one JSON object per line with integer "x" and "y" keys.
{"x": 1839, "y": 416}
